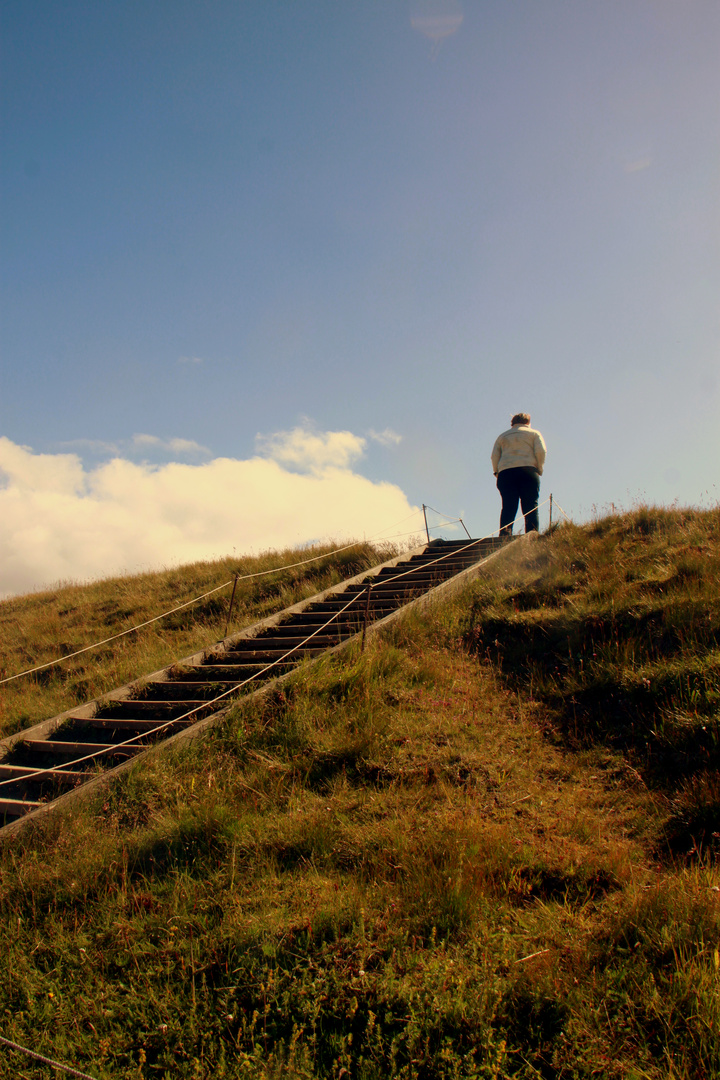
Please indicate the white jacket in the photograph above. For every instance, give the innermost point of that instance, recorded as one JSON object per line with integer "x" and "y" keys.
{"x": 519, "y": 446}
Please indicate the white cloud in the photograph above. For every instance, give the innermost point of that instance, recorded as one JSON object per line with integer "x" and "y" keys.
{"x": 139, "y": 442}
{"x": 186, "y": 446}
{"x": 175, "y": 446}
{"x": 311, "y": 451}
{"x": 91, "y": 446}
{"x": 60, "y": 520}
{"x": 146, "y": 440}
{"x": 23, "y": 471}
{"x": 388, "y": 437}
{"x": 638, "y": 164}
{"x": 190, "y": 360}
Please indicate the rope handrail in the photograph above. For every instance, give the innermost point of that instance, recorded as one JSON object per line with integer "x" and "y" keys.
{"x": 198, "y": 708}
{"x": 439, "y": 514}
{"x": 442, "y": 524}
{"x": 240, "y": 577}
{"x": 105, "y": 641}
{"x": 447, "y": 555}
{"x": 203, "y": 596}
{"x": 46, "y": 1060}
{"x": 267, "y": 667}
{"x": 550, "y": 499}
{"x": 255, "y": 675}
{"x": 556, "y": 503}
{"x": 458, "y": 551}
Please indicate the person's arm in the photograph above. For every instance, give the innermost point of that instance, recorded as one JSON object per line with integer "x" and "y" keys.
{"x": 540, "y": 451}
{"x": 495, "y": 456}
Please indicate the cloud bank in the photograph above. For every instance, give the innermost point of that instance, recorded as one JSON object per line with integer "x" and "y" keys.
{"x": 138, "y": 444}
{"x": 62, "y": 521}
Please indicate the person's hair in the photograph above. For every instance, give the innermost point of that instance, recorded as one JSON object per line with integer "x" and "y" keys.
{"x": 521, "y": 418}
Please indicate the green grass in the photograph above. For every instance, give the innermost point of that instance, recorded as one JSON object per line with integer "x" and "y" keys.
{"x": 425, "y": 860}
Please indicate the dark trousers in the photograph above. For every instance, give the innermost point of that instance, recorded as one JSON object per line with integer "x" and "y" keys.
{"x": 519, "y": 486}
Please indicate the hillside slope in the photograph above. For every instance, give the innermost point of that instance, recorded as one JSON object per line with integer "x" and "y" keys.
{"x": 483, "y": 847}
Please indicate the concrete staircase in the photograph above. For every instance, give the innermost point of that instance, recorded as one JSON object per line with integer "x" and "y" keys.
{"x": 67, "y": 752}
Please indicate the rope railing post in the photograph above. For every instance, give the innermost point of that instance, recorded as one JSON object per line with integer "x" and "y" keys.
{"x": 465, "y": 528}
{"x": 367, "y": 616}
{"x": 232, "y": 598}
{"x": 551, "y": 504}
{"x": 427, "y": 531}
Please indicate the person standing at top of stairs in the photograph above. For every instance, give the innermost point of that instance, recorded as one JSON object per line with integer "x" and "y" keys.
{"x": 518, "y": 457}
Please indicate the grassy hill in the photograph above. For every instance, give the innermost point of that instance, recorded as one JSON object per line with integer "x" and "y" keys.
{"x": 485, "y": 847}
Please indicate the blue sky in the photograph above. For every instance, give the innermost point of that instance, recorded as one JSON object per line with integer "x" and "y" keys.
{"x": 229, "y": 228}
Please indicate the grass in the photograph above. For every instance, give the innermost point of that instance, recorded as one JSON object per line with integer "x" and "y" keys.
{"x": 618, "y": 634}
{"x": 424, "y": 860}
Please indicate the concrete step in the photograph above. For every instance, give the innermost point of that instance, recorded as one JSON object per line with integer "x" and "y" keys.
{"x": 17, "y": 807}
{"x": 327, "y": 623}
{"x": 238, "y": 673}
{"x": 378, "y": 604}
{"x": 29, "y": 773}
{"x": 350, "y": 618}
{"x": 131, "y": 707}
{"x": 260, "y": 657}
{"x": 137, "y": 724}
{"x": 277, "y": 643}
{"x": 184, "y": 690}
{"x": 77, "y": 749}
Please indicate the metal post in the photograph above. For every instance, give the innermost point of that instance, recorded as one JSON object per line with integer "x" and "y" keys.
{"x": 550, "y": 525}
{"x": 427, "y": 531}
{"x": 465, "y": 528}
{"x": 227, "y": 624}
